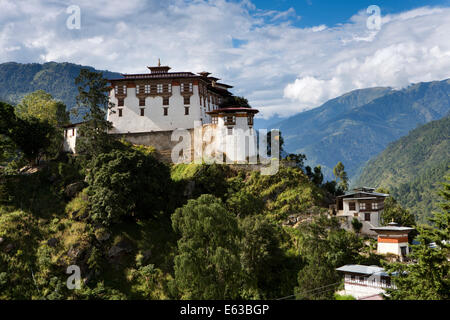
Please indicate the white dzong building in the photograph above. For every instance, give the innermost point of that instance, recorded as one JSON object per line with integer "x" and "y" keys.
{"x": 149, "y": 107}
{"x": 163, "y": 100}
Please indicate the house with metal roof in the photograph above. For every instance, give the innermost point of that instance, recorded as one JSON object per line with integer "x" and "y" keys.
{"x": 364, "y": 204}
{"x": 365, "y": 282}
{"x": 393, "y": 239}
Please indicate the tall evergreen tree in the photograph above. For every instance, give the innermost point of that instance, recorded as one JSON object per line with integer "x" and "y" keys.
{"x": 93, "y": 104}
{"x": 428, "y": 277}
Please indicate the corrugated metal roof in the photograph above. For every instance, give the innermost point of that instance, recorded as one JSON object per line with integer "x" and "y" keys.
{"x": 361, "y": 192}
{"x": 392, "y": 228}
{"x": 358, "y": 268}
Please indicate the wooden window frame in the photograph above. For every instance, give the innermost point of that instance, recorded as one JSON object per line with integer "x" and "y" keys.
{"x": 166, "y": 101}
{"x": 141, "y": 102}
{"x": 350, "y": 205}
{"x": 188, "y": 99}
{"x": 186, "y": 111}
{"x": 120, "y": 102}
{"x": 142, "y": 112}
{"x": 165, "y": 111}
{"x": 120, "y": 112}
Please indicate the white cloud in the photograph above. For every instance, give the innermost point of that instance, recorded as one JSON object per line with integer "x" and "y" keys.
{"x": 280, "y": 68}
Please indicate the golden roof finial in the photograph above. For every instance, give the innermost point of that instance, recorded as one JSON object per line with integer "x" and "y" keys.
{"x": 159, "y": 62}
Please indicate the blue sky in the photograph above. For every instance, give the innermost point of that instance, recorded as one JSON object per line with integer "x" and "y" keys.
{"x": 284, "y": 56}
{"x": 332, "y": 12}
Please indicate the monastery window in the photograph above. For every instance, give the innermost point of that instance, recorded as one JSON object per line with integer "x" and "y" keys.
{"x": 184, "y": 87}
{"x": 362, "y": 206}
{"x": 375, "y": 205}
{"x": 159, "y": 88}
{"x": 141, "y": 102}
{"x": 361, "y": 279}
{"x": 215, "y": 120}
{"x": 137, "y": 89}
{"x": 120, "y": 89}
{"x": 351, "y": 206}
{"x": 120, "y": 112}
{"x": 165, "y": 101}
{"x": 230, "y": 131}
{"x": 147, "y": 88}
{"x": 250, "y": 120}
{"x": 367, "y": 216}
{"x": 166, "y": 111}
{"x": 120, "y": 102}
{"x": 230, "y": 120}
{"x": 167, "y": 88}
{"x": 187, "y": 100}
{"x": 142, "y": 112}
{"x": 186, "y": 111}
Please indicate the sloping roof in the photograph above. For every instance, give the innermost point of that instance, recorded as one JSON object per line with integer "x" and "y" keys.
{"x": 351, "y": 193}
{"x": 361, "y": 269}
{"x": 392, "y": 228}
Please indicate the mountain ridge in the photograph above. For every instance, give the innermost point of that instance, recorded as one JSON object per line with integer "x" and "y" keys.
{"x": 412, "y": 167}
{"x": 362, "y": 123}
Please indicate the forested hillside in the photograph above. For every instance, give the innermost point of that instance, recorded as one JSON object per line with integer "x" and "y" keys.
{"x": 358, "y": 125}
{"x": 17, "y": 80}
{"x": 412, "y": 167}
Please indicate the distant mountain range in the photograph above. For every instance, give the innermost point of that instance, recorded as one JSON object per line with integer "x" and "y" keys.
{"x": 17, "y": 79}
{"x": 412, "y": 167}
{"x": 358, "y": 125}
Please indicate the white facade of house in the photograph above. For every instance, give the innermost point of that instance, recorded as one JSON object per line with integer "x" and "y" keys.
{"x": 373, "y": 213}
{"x": 70, "y": 138}
{"x": 365, "y": 282}
{"x": 393, "y": 239}
{"x": 394, "y": 248}
{"x": 131, "y": 120}
{"x": 234, "y": 134}
{"x": 364, "y": 204}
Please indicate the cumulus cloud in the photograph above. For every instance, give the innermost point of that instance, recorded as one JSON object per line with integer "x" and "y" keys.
{"x": 282, "y": 69}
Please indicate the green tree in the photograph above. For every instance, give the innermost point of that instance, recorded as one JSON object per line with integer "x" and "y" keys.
{"x": 243, "y": 203}
{"x": 32, "y": 136}
{"x": 356, "y": 225}
{"x": 393, "y": 211}
{"x": 207, "y": 265}
{"x": 315, "y": 175}
{"x": 324, "y": 247}
{"x": 42, "y": 106}
{"x": 298, "y": 159}
{"x": 234, "y": 101}
{"x": 93, "y": 104}
{"x": 341, "y": 176}
{"x": 126, "y": 183}
{"x": 263, "y": 262}
{"x": 428, "y": 277}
